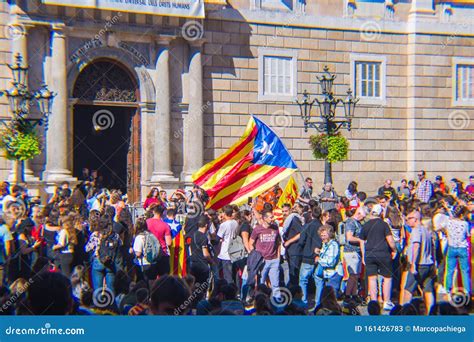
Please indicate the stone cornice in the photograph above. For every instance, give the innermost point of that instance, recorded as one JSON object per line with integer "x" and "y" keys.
{"x": 298, "y": 20}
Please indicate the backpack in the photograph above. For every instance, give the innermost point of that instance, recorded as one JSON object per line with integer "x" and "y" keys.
{"x": 341, "y": 233}
{"x": 237, "y": 249}
{"x": 336, "y": 260}
{"x": 108, "y": 249}
{"x": 151, "y": 248}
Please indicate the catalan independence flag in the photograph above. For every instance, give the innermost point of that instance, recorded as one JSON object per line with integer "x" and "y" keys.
{"x": 178, "y": 256}
{"x": 258, "y": 161}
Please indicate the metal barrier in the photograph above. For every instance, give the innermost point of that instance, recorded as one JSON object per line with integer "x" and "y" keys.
{"x": 136, "y": 210}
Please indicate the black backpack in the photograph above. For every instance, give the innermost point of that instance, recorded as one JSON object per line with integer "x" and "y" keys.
{"x": 109, "y": 249}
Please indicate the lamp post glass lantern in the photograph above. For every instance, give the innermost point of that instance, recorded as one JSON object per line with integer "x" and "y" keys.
{"x": 20, "y": 99}
{"x": 327, "y": 122}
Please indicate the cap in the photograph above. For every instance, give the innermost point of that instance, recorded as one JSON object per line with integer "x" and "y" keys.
{"x": 181, "y": 192}
{"x": 439, "y": 178}
{"x": 376, "y": 210}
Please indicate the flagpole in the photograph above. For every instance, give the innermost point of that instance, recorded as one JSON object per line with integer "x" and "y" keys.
{"x": 302, "y": 177}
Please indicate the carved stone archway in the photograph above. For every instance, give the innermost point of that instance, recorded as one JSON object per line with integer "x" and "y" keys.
{"x": 106, "y": 95}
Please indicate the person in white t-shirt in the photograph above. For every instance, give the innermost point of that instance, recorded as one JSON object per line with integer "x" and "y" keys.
{"x": 146, "y": 270}
{"x": 226, "y": 233}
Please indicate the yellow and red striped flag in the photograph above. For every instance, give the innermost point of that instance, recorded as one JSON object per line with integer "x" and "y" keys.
{"x": 258, "y": 161}
{"x": 178, "y": 256}
{"x": 290, "y": 194}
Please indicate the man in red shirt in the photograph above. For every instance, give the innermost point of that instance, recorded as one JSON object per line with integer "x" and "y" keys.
{"x": 265, "y": 238}
{"x": 162, "y": 231}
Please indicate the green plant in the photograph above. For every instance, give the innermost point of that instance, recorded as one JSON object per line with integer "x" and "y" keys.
{"x": 332, "y": 148}
{"x": 20, "y": 142}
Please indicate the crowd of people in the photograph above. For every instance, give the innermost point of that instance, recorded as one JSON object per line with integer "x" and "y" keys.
{"x": 403, "y": 251}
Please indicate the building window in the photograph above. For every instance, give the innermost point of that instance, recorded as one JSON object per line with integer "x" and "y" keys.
{"x": 277, "y": 75}
{"x": 465, "y": 82}
{"x": 463, "y": 78}
{"x": 368, "y": 78}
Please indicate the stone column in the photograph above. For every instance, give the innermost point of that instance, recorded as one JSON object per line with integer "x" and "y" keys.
{"x": 19, "y": 32}
{"x": 162, "y": 138}
{"x": 193, "y": 121}
{"x": 57, "y": 140}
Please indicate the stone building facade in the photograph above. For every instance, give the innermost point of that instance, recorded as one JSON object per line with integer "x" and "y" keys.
{"x": 160, "y": 95}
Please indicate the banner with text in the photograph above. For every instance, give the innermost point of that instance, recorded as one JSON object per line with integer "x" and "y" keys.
{"x": 176, "y": 8}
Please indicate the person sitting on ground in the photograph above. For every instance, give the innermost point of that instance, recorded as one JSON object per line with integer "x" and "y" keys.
{"x": 230, "y": 301}
{"x": 373, "y": 308}
{"x": 142, "y": 307}
{"x": 50, "y": 294}
{"x": 328, "y": 304}
{"x": 169, "y": 295}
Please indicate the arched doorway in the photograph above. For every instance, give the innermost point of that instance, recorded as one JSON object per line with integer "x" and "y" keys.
{"x": 106, "y": 126}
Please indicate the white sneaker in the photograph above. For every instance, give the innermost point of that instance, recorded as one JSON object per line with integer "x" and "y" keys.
{"x": 442, "y": 290}
{"x": 387, "y": 306}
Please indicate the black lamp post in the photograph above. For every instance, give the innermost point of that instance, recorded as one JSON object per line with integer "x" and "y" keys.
{"x": 327, "y": 112}
{"x": 20, "y": 99}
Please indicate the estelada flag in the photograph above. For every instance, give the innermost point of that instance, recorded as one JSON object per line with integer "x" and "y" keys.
{"x": 290, "y": 194}
{"x": 258, "y": 161}
{"x": 178, "y": 256}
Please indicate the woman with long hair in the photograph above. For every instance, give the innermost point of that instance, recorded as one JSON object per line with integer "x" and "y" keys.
{"x": 104, "y": 246}
{"x": 351, "y": 194}
{"x": 50, "y": 231}
{"x": 164, "y": 198}
{"x": 152, "y": 198}
{"x": 458, "y": 234}
{"x": 457, "y": 188}
{"x": 67, "y": 239}
{"x": 117, "y": 202}
{"x": 21, "y": 263}
{"x": 146, "y": 270}
{"x": 81, "y": 226}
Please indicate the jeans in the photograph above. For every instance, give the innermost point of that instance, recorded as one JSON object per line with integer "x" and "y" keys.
{"x": 271, "y": 269}
{"x": 99, "y": 272}
{"x": 334, "y": 282}
{"x": 226, "y": 267}
{"x": 306, "y": 271}
{"x": 453, "y": 256}
{"x": 245, "y": 276}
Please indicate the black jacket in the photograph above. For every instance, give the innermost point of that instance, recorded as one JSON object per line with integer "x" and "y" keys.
{"x": 295, "y": 228}
{"x": 310, "y": 240}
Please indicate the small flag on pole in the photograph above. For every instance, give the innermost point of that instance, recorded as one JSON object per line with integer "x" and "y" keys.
{"x": 290, "y": 194}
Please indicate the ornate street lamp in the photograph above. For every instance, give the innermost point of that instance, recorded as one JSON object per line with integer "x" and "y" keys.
{"x": 326, "y": 123}
{"x": 19, "y": 71}
{"x": 20, "y": 99}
